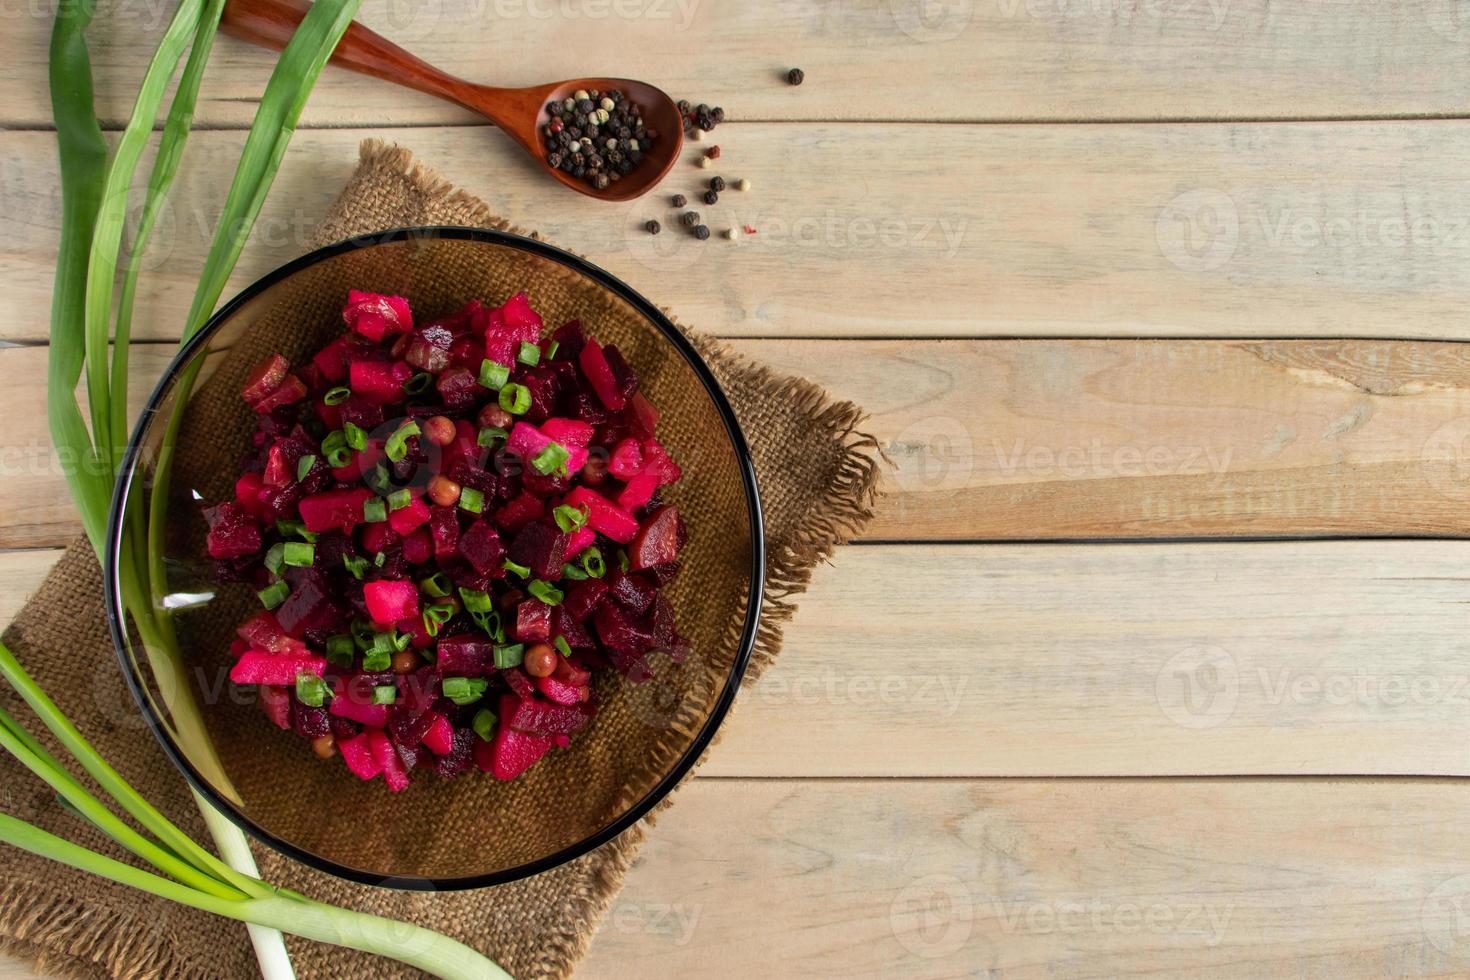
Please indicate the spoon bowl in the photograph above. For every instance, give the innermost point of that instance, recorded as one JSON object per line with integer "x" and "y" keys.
{"x": 519, "y": 112}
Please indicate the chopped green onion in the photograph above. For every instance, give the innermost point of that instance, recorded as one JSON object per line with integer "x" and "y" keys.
{"x": 570, "y": 571}
{"x": 476, "y": 601}
{"x": 303, "y": 466}
{"x": 510, "y": 655}
{"x": 380, "y": 559}
{"x": 334, "y": 448}
{"x": 569, "y": 518}
{"x": 401, "y": 641}
{"x": 275, "y": 558}
{"x": 493, "y": 375}
{"x": 377, "y": 479}
{"x": 399, "y": 499}
{"x": 593, "y": 563}
{"x": 490, "y": 623}
{"x": 377, "y": 658}
{"x": 396, "y": 447}
{"x": 484, "y": 724}
{"x": 528, "y": 354}
{"x": 465, "y": 690}
{"x": 562, "y": 646}
{"x": 311, "y": 690}
{"x": 341, "y": 650}
{"x": 300, "y": 555}
{"x": 552, "y": 348}
{"x": 362, "y": 634}
{"x": 515, "y": 399}
{"x": 489, "y": 436}
{"x": 622, "y": 560}
{"x": 288, "y": 527}
{"x": 338, "y": 395}
{"x": 374, "y": 511}
{"x": 471, "y": 500}
{"x": 436, "y": 585}
{"x": 419, "y": 383}
{"x": 274, "y": 594}
{"x": 518, "y": 570}
{"x": 385, "y": 693}
{"x": 385, "y": 643}
{"x": 552, "y": 459}
{"x": 357, "y": 566}
{"x": 355, "y": 436}
{"x": 546, "y": 592}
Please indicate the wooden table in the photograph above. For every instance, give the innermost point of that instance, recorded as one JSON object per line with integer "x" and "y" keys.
{"x": 1155, "y": 658}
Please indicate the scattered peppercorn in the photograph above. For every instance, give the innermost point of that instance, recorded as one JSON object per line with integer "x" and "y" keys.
{"x": 742, "y": 184}
{"x": 690, "y": 219}
{"x": 711, "y": 197}
{"x": 701, "y": 232}
{"x": 596, "y": 136}
{"x": 750, "y": 229}
{"x": 704, "y": 162}
{"x": 732, "y": 233}
{"x": 795, "y": 76}
{"x": 699, "y": 119}
{"x": 680, "y": 200}
{"x": 717, "y": 183}
{"x": 697, "y": 135}
{"x": 653, "y": 227}
{"x": 713, "y": 152}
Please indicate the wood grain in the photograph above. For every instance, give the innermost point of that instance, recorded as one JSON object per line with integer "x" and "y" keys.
{"x": 1056, "y": 60}
{"x": 1229, "y": 230}
{"x": 1052, "y": 439}
{"x": 1132, "y": 660}
{"x": 1215, "y": 879}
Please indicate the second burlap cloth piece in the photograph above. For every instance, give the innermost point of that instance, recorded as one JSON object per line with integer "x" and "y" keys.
{"x": 817, "y": 475}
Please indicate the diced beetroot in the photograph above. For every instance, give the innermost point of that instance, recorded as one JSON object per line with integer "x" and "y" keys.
{"x": 619, "y": 632}
{"x": 537, "y": 717}
{"x": 639, "y": 491}
{"x": 519, "y": 511}
{"x": 378, "y": 536}
{"x": 247, "y": 494}
{"x": 332, "y": 359}
{"x": 388, "y": 602}
{"x": 568, "y": 432}
{"x": 515, "y": 752}
{"x": 288, "y": 392}
{"x": 570, "y": 339}
{"x": 280, "y": 463}
{"x": 379, "y": 382}
{"x": 334, "y": 509}
{"x": 627, "y": 459}
{"x": 458, "y": 759}
{"x": 309, "y": 609}
{"x": 579, "y": 541}
{"x": 542, "y": 549}
{"x": 631, "y": 592}
{"x": 265, "y": 378}
{"x": 533, "y": 621}
{"x": 444, "y": 532}
{"x": 560, "y": 691}
{"x": 518, "y": 315}
{"x": 659, "y": 541}
{"x": 631, "y": 665}
{"x": 569, "y": 628}
{"x": 405, "y": 520}
{"x": 419, "y": 637}
{"x": 357, "y": 752}
{"x": 458, "y": 387}
{"x": 263, "y": 632}
{"x": 584, "y": 597}
{"x": 623, "y": 376}
{"x": 568, "y": 672}
{"x": 429, "y": 349}
{"x": 275, "y": 701}
{"x": 599, "y": 375}
{"x": 417, "y": 548}
{"x": 519, "y": 682}
{"x": 466, "y": 655}
{"x": 480, "y": 546}
{"x": 526, "y": 441}
{"x": 467, "y": 353}
{"x": 259, "y": 667}
{"x": 439, "y": 739}
{"x": 375, "y": 315}
{"x": 387, "y": 758}
{"x": 238, "y": 647}
{"x": 604, "y": 516}
{"x": 656, "y": 459}
{"x": 308, "y": 721}
{"x": 483, "y": 754}
{"x": 357, "y": 707}
{"x": 232, "y": 534}
{"x": 642, "y": 416}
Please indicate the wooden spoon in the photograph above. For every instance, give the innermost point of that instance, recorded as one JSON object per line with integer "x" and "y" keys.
{"x": 519, "y": 112}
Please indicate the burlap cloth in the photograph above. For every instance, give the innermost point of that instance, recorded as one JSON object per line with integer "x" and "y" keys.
{"x": 817, "y": 474}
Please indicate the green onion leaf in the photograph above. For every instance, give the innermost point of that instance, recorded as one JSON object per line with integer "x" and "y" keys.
{"x": 490, "y": 623}
{"x": 510, "y": 655}
{"x": 274, "y": 594}
{"x": 546, "y": 592}
{"x": 593, "y": 563}
{"x": 622, "y": 560}
{"x": 374, "y": 511}
{"x": 493, "y": 375}
{"x": 396, "y": 448}
{"x": 562, "y": 646}
{"x": 465, "y": 690}
{"x": 419, "y": 383}
{"x": 341, "y": 650}
{"x": 552, "y": 348}
{"x": 436, "y": 585}
{"x": 311, "y": 690}
{"x": 515, "y": 399}
{"x": 570, "y": 518}
{"x": 385, "y": 693}
{"x": 399, "y": 499}
{"x": 355, "y": 436}
{"x": 357, "y": 566}
{"x": 275, "y": 558}
{"x": 376, "y": 659}
{"x": 520, "y": 571}
{"x": 300, "y": 555}
{"x": 528, "y": 354}
{"x": 551, "y": 459}
{"x": 338, "y": 395}
{"x": 489, "y": 436}
{"x": 476, "y": 601}
{"x": 380, "y": 559}
{"x": 574, "y": 573}
{"x": 484, "y": 724}
{"x": 303, "y": 466}
{"x": 471, "y": 500}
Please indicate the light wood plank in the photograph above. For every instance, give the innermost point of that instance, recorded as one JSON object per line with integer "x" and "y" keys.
{"x": 1215, "y": 879}
{"x": 1300, "y": 230}
{"x": 1140, "y": 660}
{"x": 1051, "y": 439}
{"x": 865, "y": 59}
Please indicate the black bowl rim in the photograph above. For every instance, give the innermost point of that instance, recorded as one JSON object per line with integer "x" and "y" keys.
{"x": 686, "y": 761}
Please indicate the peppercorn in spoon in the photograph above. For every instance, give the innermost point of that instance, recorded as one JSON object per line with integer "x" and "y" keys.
{"x": 609, "y": 138}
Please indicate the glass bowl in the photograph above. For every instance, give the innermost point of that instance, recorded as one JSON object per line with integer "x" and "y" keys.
{"x": 173, "y": 623}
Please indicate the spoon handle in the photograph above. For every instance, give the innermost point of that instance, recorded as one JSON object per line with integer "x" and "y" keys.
{"x": 270, "y": 24}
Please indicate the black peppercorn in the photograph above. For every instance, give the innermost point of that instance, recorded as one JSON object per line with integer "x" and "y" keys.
{"x": 717, "y": 183}
{"x": 795, "y": 76}
{"x": 680, "y": 200}
{"x": 652, "y": 226}
{"x": 690, "y": 219}
{"x": 710, "y": 197}
{"x": 701, "y": 232}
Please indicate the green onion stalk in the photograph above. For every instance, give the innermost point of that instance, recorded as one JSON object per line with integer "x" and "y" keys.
{"x": 91, "y": 323}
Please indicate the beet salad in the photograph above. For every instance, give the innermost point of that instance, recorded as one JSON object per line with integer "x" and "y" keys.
{"x": 451, "y": 527}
